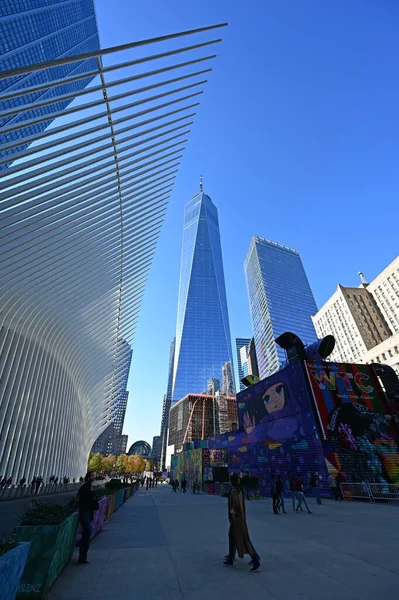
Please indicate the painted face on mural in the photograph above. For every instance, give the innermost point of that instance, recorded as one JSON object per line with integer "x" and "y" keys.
{"x": 254, "y": 414}
{"x": 274, "y": 398}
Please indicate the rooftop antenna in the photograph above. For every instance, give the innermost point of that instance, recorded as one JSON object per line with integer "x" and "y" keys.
{"x": 362, "y": 278}
{"x": 201, "y": 183}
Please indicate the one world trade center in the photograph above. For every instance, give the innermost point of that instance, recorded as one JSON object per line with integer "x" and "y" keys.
{"x": 203, "y": 343}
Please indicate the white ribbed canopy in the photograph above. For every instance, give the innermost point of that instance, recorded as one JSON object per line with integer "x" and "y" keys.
{"x": 80, "y": 212}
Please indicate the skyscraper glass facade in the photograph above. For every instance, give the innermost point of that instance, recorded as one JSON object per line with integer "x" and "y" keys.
{"x": 203, "y": 343}
{"x": 35, "y": 32}
{"x": 242, "y": 347}
{"x": 280, "y": 300}
{"x": 167, "y": 400}
{"x": 113, "y": 433}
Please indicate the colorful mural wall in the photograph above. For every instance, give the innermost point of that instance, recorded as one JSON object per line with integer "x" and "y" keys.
{"x": 311, "y": 417}
{"x": 356, "y": 421}
{"x": 188, "y": 465}
{"x": 278, "y": 433}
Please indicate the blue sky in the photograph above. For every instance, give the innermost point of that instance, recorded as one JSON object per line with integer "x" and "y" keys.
{"x": 297, "y": 138}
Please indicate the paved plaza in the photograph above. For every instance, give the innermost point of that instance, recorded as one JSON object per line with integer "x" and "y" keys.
{"x": 162, "y": 545}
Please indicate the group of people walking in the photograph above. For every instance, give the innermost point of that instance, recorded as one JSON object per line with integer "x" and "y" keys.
{"x": 297, "y": 488}
{"x": 183, "y": 487}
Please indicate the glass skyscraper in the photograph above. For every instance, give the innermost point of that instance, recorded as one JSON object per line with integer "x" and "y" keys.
{"x": 280, "y": 300}
{"x": 203, "y": 343}
{"x": 167, "y": 401}
{"x": 242, "y": 349}
{"x": 35, "y": 32}
{"x": 111, "y": 437}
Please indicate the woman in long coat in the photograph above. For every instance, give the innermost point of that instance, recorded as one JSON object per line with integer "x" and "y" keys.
{"x": 238, "y": 532}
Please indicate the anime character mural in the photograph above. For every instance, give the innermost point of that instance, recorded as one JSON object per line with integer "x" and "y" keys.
{"x": 278, "y": 429}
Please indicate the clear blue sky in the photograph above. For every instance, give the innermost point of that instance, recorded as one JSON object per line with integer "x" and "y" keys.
{"x": 297, "y": 138}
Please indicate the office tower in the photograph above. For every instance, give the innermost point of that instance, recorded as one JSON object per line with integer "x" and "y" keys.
{"x": 36, "y": 32}
{"x": 385, "y": 289}
{"x": 167, "y": 400}
{"x": 111, "y": 440}
{"x": 228, "y": 380}
{"x": 242, "y": 347}
{"x": 365, "y": 320}
{"x": 156, "y": 451}
{"x": 280, "y": 300}
{"x": 203, "y": 343}
{"x": 352, "y": 316}
{"x": 252, "y": 361}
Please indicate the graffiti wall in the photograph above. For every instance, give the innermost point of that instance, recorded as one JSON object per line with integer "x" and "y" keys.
{"x": 318, "y": 417}
{"x": 188, "y": 464}
{"x": 356, "y": 422}
{"x": 278, "y": 433}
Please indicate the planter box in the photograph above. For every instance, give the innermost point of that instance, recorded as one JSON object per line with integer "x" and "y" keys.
{"x": 127, "y": 493}
{"x": 211, "y": 490}
{"x": 97, "y": 522}
{"x": 118, "y": 499}
{"x": 121, "y": 496}
{"x": 50, "y": 552}
{"x": 110, "y": 507}
{"x": 12, "y": 564}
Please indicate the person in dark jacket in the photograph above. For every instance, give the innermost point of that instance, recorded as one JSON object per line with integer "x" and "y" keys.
{"x": 239, "y": 540}
{"x": 280, "y": 494}
{"x": 275, "y": 498}
{"x": 315, "y": 487}
{"x": 87, "y": 505}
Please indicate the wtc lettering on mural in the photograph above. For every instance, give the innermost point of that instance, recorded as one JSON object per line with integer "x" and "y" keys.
{"x": 361, "y": 380}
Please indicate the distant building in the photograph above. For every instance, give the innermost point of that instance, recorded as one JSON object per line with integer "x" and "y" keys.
{"x": 242, "y": 348}
{"x": 198, "y": 416}
{"x": 280, "y": 300}
{"x": 228, "y": 380}
{"x": 253, "y": 368}
{"x": 203, "y": 343}
{"x": 352, "y": 316}
{"x": 385, "y": 289}
{"x": 167, "y": 401}
{"x": 111, "y": 440}
{"x": 156, "y": 451}
{"x": 387, "y": 353}
{"x": 140, "y": 447}
{"x": 35, "y": 32}
{"x": 364, "y": 320}
{"x": 213, "y": 386}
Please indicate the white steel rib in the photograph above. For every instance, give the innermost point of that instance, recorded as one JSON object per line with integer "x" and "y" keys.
{"x": 81, "y": 207}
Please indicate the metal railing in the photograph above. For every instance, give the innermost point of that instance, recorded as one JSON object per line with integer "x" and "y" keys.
{"x": 373, "y": 492}
{"x": 15, "y": 492}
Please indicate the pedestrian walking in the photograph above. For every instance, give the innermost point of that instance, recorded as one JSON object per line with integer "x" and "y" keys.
{"x": 194, "y": 488}
{"x": 176, "y": 485}
{"x": 273, "y": 489}
{"x": 88, "y": 503}
{"x": 22, "y": 482}
{"x": 334, "y": 487}
{"x": 184, "y": 485}
{"x": 146, "y": 485}
{"x": 238, "y": 532}
{"x": 314, "y": 484}
{"x": 301, "y": 495}
{"x": 292, "y": 484}
{"x": 280, "y": 494}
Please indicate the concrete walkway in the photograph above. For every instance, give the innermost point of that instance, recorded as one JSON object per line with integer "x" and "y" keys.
{"x": 161, "y": 545}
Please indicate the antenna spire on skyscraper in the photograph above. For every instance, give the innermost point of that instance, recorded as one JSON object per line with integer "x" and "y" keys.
{"x": 201, "y": 183}
{"x": 362, "y": 278}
